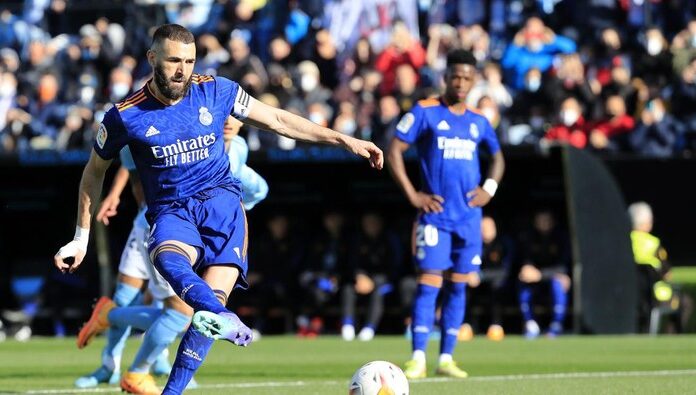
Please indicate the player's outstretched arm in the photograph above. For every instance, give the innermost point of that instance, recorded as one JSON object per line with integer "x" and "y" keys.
{"x": 397, "y": 168}
{"x": 90, "y": 189}
{"x": 295, "y": 127}
{"x": 108, "y": 206}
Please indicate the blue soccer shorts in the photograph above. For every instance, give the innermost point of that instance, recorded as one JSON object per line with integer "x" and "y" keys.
{"x": 457, "y": 250}
{"x": 213, "y": 221}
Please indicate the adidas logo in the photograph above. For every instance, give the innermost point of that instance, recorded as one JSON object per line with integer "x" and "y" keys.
{"x": 151, "y": 132}
{"x": 443, "y": 125}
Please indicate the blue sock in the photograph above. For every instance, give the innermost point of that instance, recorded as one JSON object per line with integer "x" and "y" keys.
{"x": 347, "y": 320}
{"x": 158, "y": 337}
{"x": 125, "y": 295}
{"x": 453, "y": 306}
{"x": 176, "y": 269}
{"x": 192, "y": 351}
{"x": 525, "y": 295}
{"x": 423, "y": 315}
{"x": 141, "y": 317}
{"x": 560, "y": 299}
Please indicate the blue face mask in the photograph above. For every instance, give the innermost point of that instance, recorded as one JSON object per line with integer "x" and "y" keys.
{"x": 533, "y": 85}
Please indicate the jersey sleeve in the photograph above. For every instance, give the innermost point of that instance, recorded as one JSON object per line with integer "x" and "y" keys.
{"x": 254, "y": 187}
{"x": 237, "y": 100}
{"x": 410, "y": 127}
{"x": 111, "y": 136}
{"x": 490, "y": 138}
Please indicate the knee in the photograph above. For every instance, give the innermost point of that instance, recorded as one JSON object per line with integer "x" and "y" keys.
{"x": 432, "y": 279}
{"x": 171, "y": 251}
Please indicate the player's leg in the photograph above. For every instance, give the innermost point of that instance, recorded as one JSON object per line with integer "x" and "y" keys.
{"x": 466, "y": 259}
{"x": 525, "y": 292}
{"x": 375, "y": 308}
{"x": 348, "y": 300}
{"x": 195, "y": 344}
{"x": 560, "y": 284}
{"x": 431, "y": 249}
{"x": 130, "y": 282}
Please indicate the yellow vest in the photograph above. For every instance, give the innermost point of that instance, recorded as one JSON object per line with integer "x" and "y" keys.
{"x": 646, "y": 249}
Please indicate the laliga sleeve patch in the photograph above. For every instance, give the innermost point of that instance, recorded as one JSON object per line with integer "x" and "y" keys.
{"x": 406, "y": 122}
{"x": 242, "y": 104}
{"x": 102, "y": 134}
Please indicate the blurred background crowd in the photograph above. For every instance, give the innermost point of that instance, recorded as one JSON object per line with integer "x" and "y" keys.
{"x": 607, "y": 75}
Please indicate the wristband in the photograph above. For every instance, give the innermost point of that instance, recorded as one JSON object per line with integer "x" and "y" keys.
{"x": 81, "y": 237}
{"x": 490, "y": 186}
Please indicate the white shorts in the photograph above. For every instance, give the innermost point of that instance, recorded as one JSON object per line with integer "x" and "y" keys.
{"x": 135, "y": 262}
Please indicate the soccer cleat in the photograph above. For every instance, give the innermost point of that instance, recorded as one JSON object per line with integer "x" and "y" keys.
{"x": 531, "y": 329}
{"x": 366, "y": 334}
{"x": 348, "y": 332}
{"x": 98, "y": 321}
{"x": 414, "y": 369}
{"x": 555, "y": 329}
{"x": 139, "y": 383}
{"x": 495, "y": 333}
{"x": 101, "y": 375}
{"x": 225, "y": 326}
{"x": 466, "y": 333}
{"x": 450, "y": 369}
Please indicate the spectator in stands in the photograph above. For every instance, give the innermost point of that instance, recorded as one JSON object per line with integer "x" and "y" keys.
{"x": 653, "y": 269}
{"x": 48, "y": 113}
{"x": 407, "y": 92}
{"x": 320, "y": 278}
{"x": 373, "y": 264}
{"x": 402, "y": 50}
{"x": 492, "y": 86}
{"x": 211, "y": 55}
{"x": 489, "y": 108}
{"x": 571, "y": 127}
{"x": 684, "y": 105}
{"x": 530, "y": 111}
{"x": 570, "y": 80}
{"x": 384, "y": 121}
{"x": 544, "y": 258}
{"x": 496, "y": 264}
{"x": 476, "y": 40}
{"x": 620, "y": 83}
{"x": 309, "y": 82}
{"x": 324, "y": 57}
{"x": 657, "y": 132}
{"x": 612, "y": 132}
{"x": 684, "y": 48}
{"x": 533, "y": 46}
{"x": 244, "y": 66}
{"x": 653, "y": 64}
{"x": 441, "y": 39}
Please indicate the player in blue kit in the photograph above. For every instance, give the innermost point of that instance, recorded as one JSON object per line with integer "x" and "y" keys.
{"x": 447, "y": 233}
{"x": 173, "y": 127}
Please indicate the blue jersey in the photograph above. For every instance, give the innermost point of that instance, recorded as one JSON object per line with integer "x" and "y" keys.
{"x": 178, "y": 149}
{"x": 447, "y": 145}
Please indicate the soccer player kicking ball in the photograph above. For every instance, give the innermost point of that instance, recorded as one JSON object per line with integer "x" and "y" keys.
{"x": 198, "y": 239}
{"x": 448, "y": 228}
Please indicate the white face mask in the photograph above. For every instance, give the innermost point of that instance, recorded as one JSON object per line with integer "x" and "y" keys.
{"x": 489, "y": 113}
{"x": 348, "y": 127}
{"x": 7, "y": 89}
{"x": 119, "y": 90}
{"x": 533, "y": 84}
{"x": 654, "y": 46}
{"x": 569, "y": 117}
{"x": 308, "y": 82}
{"x": 317, "y": 118}
{"x": 658, "y": 114}
{"x": 693, "y": 41}
{"x": 86, "y": 94}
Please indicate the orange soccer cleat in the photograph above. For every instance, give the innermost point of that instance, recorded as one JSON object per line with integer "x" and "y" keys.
{"x": 98, "y": 321}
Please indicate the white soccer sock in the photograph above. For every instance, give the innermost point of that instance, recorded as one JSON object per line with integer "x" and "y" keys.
{"x": 445, "y": 358}
{"x": 419, "y": 355}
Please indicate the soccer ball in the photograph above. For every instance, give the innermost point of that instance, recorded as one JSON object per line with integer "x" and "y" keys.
{"x": 378, "y": 378}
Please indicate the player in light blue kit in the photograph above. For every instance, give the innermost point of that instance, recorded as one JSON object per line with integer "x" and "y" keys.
{"x": 198, "y": 238}
{"x": 447, "y": 233}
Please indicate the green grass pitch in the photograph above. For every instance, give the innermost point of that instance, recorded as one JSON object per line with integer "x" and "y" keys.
{"x": 287, "y": 365}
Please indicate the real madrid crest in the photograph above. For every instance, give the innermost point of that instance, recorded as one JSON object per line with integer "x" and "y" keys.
{"x": 204, "y": 116}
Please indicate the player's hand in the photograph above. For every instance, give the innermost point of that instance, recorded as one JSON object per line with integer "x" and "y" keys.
{"x": 107, "y": 209}
{"x": 427, "y": 203}
{"x": 474, "y": 280}
{"x": 72, "y": 251}
{"x": 478, "y": 197}
{"x": 367, "y": 150}
{"x": 363, "y": 284}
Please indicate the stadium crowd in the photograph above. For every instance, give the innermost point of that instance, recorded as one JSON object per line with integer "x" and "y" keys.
{"x": 610, "y": 76}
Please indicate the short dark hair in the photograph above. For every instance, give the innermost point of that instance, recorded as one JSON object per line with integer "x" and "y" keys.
{"x": 460, "y": 56}
{"x": 172, "y": 32}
